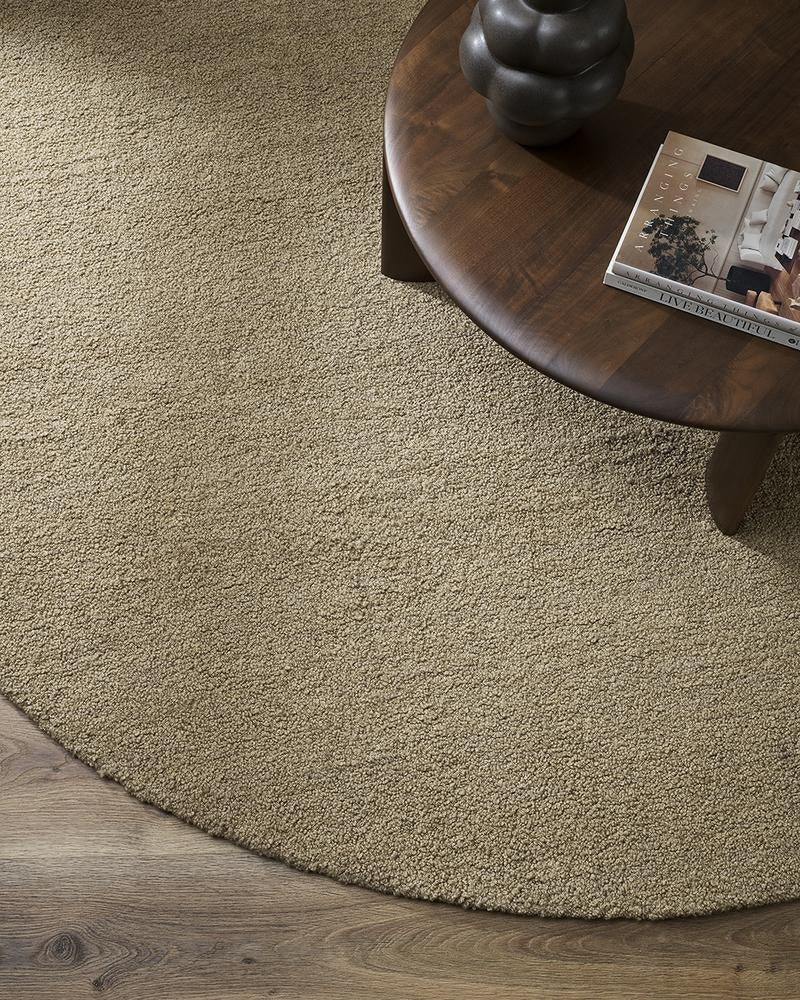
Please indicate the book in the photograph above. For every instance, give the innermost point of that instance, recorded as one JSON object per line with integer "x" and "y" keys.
{"x": 709, "y": 235}
{"x": 704, "y": 311}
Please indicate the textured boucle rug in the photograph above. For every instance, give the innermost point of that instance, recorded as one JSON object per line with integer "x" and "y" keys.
{"x": 298, "y": 554}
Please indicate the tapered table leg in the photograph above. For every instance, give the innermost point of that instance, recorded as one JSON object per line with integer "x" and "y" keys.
{"x": 399, "y": 258}
{"x": 734, "y": 472}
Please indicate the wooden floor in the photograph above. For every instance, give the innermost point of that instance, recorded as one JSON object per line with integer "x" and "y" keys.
{"x": 100, "y": 895}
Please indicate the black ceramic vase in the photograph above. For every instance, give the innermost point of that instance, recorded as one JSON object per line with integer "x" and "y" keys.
{"x": 544, "y": 66}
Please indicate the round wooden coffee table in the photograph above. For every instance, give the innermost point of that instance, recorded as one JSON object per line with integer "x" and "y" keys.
{"x": 521, "y": 238}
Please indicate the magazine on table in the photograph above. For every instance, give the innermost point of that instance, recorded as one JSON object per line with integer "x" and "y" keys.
{"x": 716, "y": 233}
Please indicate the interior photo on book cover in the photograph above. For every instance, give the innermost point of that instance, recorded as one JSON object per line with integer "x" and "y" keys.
{"x": 724, "y": 226}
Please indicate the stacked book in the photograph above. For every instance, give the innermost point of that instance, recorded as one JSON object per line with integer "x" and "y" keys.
{"x": 716, "y": 234}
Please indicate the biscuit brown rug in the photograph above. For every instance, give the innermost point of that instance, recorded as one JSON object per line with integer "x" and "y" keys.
{"x": 296, "y": 553}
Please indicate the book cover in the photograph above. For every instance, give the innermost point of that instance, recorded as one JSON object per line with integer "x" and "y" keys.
{"x": 718, "y": 229}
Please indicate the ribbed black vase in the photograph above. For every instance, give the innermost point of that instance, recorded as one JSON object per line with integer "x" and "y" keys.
{"x": 545, "y": 66}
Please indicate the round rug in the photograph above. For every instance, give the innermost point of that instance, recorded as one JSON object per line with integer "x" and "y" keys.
{"x": 298, "y": 554}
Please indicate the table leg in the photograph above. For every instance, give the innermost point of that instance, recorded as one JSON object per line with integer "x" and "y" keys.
{"x": 399, "y": 258}
{"x": 734, "y": 472}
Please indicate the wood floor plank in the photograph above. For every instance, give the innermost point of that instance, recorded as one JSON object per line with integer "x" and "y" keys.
{"x": 103, "y": 896}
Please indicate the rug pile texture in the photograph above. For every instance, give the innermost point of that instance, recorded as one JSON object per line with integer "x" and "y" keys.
{"x": 298, "y": 554}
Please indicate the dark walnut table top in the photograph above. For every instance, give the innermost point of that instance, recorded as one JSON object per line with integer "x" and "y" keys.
{"x": 521, "y": 238}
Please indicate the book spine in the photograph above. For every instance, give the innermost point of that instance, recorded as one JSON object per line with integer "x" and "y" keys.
{"x": 708, "y": 298}
{"x": 702, "y": 309}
